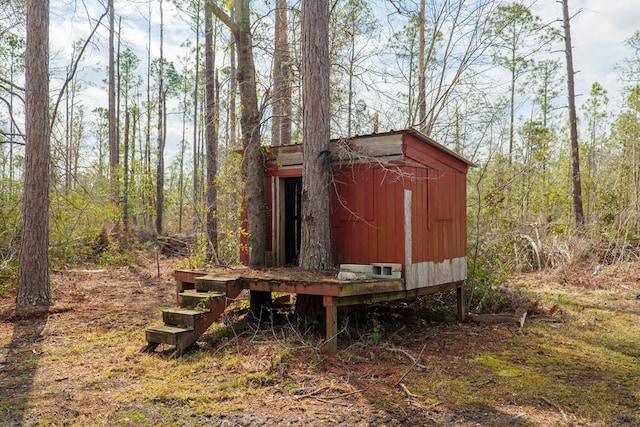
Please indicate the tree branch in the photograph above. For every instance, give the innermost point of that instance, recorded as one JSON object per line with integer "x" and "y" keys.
{"x": 15, "y": 124}
{"x": 74, "y": 68}
{"x": 13, "y": 85}
{"x": 10, "y": 140}
{"x": 223, "y": 16}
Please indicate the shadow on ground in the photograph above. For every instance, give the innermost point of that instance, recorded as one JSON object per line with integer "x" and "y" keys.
{"x": 19, "y": 362}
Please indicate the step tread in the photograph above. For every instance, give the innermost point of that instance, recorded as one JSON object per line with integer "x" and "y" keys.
{"x": 184, "y": 317}
{"x": 169, "y": 329}
{"x": 185, "y": 311}
{"x": 217, "y": 278}
{"x": 202, "y": 294}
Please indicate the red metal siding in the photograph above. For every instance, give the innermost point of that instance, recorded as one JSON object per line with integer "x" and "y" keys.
{"x": 438, "y": 214}
{"x": 376, "y": 233}
{"x": 440, "y": 233}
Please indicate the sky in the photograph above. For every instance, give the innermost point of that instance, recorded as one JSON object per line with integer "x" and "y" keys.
{"x": 598, "y": 31}
{"x": 598, "y": 28}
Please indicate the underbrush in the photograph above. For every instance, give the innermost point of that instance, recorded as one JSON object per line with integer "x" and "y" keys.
{"x": 492, "y": 261}
{"x": 8, "y": 278}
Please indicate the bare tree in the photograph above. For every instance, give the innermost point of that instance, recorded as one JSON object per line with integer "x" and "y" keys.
{"x": 422, "y": 66}
{"x": 455, "y": 39}
{"x": 196, "y": 100}
{"x": 33, "y": 275}
{"x": 573, "y": 122}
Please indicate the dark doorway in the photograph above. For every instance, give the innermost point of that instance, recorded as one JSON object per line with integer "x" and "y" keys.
{"x": 292, "y": 219}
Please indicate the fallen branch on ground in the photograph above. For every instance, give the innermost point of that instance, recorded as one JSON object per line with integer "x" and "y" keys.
{"x": 406, "y": 390}
{"x": 415, "y": 363}
{"x": 406, "y": 353}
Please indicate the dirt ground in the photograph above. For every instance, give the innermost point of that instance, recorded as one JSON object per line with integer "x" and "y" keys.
{"x": 576, "y": 360}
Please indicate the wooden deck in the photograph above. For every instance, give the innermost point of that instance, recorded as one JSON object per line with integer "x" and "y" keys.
{"x": 336, "y": 293}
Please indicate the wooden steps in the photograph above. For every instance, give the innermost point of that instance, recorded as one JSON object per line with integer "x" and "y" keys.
{"x": 197, "y": 309}
{"x": 166, "y": 334}
{"x": 192, "y": 298}
{"x": 183, "y": 317}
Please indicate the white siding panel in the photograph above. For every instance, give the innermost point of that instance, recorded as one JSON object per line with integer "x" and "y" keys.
{"x": 423, "y": 274}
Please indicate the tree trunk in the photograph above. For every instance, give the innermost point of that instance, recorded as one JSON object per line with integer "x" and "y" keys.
{"x": 113, "y": 125}
{"x": 575, "y": 148}
{"x": 281, "y": 105}
{"x": 211, "y": 130}
{"x": 147, "y": 186}
{"x": 250, "y": 124}
{"x": 125, "y": 170}
{"x": 196, "y": 154}
{"x": 160, "y": 138}
{"x": 315, "y": 245}
{"x": 422, "y": 69}
{"x": 315, "y": 250}
{"x": 233, "y": 91}
{"x": 33, "y": 274}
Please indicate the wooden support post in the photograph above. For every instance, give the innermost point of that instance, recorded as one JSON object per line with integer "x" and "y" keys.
{"x": 258, "y": 300}
{"x": 332, "y": 324}
{"x": 460, "y": 300}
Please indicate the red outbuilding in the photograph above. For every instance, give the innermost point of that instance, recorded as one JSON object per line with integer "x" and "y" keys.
{"x": 398, "y": 198}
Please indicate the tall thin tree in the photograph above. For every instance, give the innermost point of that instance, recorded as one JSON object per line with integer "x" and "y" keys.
{"x": 160, "y": 131}
{"x": 422, "y": 67}
{"x": 33, "y": 274}
{"x": 281, "y": 105}
{"x": 211, "y": 136}
{"x": 196, "y": 100}
{"x": 315, "y": 245}
{"x": 113, "y": 125}
{"x": 573, "y": 122}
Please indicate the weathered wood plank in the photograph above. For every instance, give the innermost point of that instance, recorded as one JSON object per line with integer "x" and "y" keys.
{"x": 182, "y": 317}
{"x": 212, "y": 282}
{"x": 371, "y": 287}
{"x": 165, "y": 334}
{"x": 392, "y": 296}
{"x": 188, "y": 276}
{"x": 191, "y": 298}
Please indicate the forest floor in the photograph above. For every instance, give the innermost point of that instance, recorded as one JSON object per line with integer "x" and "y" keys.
{"x": 576, "y": 362}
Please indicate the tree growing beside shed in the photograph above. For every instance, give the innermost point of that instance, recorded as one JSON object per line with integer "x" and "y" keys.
{"x": 315, "y": 244}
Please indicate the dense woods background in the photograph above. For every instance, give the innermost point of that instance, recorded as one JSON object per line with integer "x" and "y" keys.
{"x": 145, "y": 143}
